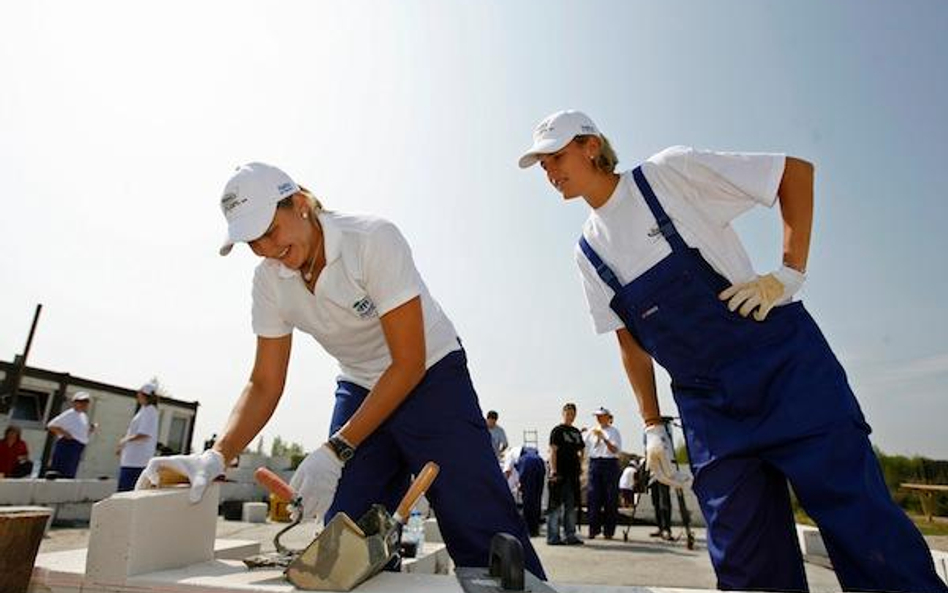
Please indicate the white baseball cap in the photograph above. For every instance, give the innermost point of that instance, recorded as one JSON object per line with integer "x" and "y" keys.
{"x": 601, "y": 411}
{"x": 555, "y": 132}
{"x": 148, "y": 388}
{"x": 80, "y": 396}
{"x": 249, "y": 201}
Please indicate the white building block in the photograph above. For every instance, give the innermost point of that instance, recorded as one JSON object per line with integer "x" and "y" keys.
{"x": 143, "y": 531}
{"x": 432, "y": 531}
{"x": 254, "y": 512}
{"x": 73, "y": 511}
{"x": 46, "y": 492}
{"x": 433, "y": 559}
{"x": 96, "y": 490}
{"x": 243, "y": 475}
{"x": 235, "y": 549}
{"x": 16, "y": 491}
{"x": 251, "y": 461}
{"x": 279, "y": 463}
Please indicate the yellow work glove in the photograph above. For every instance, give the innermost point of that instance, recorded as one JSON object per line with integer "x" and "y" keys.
{"x": 763, "y": 293}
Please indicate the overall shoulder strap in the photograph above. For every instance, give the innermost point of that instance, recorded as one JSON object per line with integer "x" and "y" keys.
{"x": 665, "y": 226}
{"x": 604, "y": 271}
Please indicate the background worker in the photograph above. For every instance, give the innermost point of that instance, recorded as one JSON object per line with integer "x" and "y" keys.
{"x": 72, "y": 429}
{"x": 566, "y": 462}
{"x": 14, "y": 455}
{"x": 405, "y": 395}
{"x": 762, "y": 397}
{"x": 498, "y": 436}
{"x": 530, "y": 470}
{"x": 603, "y": 445}
{"x": 138, "y": 445}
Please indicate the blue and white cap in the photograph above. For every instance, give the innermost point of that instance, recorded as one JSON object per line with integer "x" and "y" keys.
{"x": 555, "y": 132}
{"x": 249, "y": 201}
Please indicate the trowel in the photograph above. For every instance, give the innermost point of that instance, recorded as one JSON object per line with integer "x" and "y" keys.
{"x": 347, "y": 553}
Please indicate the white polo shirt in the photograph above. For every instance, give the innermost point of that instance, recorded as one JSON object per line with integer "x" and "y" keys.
{"x": 702, "y": 192}
{"x": 369, "y": 271}
{"x": 73, "y": 422}
{"x": 137, "y": 453}
{"x": 596, "y": 447}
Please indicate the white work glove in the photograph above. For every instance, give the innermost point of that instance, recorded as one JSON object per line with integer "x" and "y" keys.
{"x": 658, "y": 458}
{"x": 200, "y": 469}
{"x": 316, "y": 479}
{"x": 763, "y": 293}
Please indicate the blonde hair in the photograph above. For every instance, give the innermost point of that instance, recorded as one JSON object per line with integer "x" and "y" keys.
{"x": 607, "y": 159}
{"x": 315, "y": 205}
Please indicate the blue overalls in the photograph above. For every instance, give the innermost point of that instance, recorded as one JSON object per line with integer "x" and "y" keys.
{"x": 66, "y": 456}
{"x": 532, "y": 471}
{"x": 763, "y": 403}
{"x": 602, "y": 495}
{"x": 440, "y": 421}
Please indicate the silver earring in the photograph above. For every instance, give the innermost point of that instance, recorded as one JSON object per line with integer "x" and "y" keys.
{"x": 305, "y": 215}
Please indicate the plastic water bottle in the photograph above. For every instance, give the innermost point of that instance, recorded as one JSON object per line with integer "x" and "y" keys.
{"x": 413, "y": 535}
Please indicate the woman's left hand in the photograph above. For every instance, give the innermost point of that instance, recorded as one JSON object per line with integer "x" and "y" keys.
{"x": 763, "y": 293}
{"x": 316, "y": 480}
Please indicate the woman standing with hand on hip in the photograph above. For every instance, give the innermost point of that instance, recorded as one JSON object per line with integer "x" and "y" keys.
{"x": 404, "y": 397}
{"x": 762, "y": 397}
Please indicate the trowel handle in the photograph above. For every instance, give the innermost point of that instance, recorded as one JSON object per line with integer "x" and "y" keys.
{"x": 422, "y": 481}
{"x": 275, "y": 484}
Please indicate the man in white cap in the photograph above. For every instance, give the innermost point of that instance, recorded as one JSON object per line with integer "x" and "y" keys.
{"x": 72, "y": 429}
{"x": 137, "y": 447}
{"x": 603, "y": 445}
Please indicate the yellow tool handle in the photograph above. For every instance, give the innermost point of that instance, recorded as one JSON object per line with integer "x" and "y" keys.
{"x": 424, "y": 479}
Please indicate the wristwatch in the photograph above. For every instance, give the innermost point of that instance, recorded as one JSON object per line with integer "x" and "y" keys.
{"x": 341, "y": 447}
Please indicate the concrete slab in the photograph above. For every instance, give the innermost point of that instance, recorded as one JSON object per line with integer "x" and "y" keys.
{"x": 434, "y": 559}
{"x": 70, "y": 512}
{"x": 15, "y": 491}
{"x": 235, "y": 549}
{"x": 46, "y": 492}
{"x": 96, "y": 490}
{"x": 143, "y": 531}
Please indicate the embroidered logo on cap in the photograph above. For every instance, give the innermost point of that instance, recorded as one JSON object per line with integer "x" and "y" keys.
{"x": 284, "y": 187}
{"x": 231, "y": 201}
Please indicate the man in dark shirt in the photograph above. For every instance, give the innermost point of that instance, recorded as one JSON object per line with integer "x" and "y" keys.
{"x": 566, "y": 456}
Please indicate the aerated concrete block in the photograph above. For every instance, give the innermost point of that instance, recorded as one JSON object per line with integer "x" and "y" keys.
{"x": 235, "y": 549}
{"x": 68, "y": 512}
{"x": 16, "y": 491}
{"x": 143, "y": 531}
{"x": 254, "y": 512}
{"x": 47, "y": 492}
{"x": 96, "y": 490}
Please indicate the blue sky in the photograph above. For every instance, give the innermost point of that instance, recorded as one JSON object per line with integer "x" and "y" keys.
{"x": 119, "y": 124}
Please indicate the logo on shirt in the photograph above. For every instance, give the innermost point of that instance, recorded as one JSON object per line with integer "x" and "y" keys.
{"x": 365, "y": 308}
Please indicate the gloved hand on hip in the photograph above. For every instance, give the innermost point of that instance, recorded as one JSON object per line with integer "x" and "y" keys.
{"x": 763, "y": 293}
{"x": 658, "y": 458}
{"x": 200, "y": 469}
{"x": 316, "y": 479}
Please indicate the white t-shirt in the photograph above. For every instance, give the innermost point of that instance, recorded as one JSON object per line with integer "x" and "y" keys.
{"x": 627, "y": 479}
{"x": 369, "y": 272}
{"x": 702, "y": 192}
{"x": 596, "y": 447}
{"x": 137, "y": 453}
{"x": 75, "y": 423}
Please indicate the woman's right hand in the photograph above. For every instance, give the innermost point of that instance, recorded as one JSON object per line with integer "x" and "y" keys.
{"x": 200, "y": 470}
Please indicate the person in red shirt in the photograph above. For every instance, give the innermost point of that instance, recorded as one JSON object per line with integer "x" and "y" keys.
{"x": 14, "y": 457}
